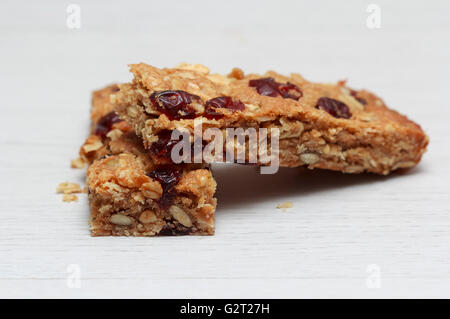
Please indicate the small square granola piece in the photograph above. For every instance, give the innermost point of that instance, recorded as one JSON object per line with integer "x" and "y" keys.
{"x": 126, "y": 200}
{"x": 129, "y": 195}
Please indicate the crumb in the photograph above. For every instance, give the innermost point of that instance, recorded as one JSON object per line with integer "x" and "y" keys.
{"x": 92, "y": 145}
{"x": 68, "y": 188}
{"x": 285, "y": 206}
{"x": 69, "y": 198}
{"x": 237, "y": 74}
{"x": 77, "y": 163}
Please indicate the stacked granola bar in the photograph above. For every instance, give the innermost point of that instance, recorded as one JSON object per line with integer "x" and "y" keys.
{"x": 129, "y": 195}
{"x": 137, "y": 189}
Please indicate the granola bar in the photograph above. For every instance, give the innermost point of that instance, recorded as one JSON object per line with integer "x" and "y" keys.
{"x": 327, "y": 126}
{"x": 129, "y": 195}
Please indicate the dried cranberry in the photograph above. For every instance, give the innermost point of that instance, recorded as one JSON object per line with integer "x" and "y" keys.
{"x": 269, "y": 87}
{"x": 104, "y": 125}
{"x": 172, "y": 230}
{"x": 175, "y": 104}
{"x": 265, "y": 86}
{"x": 226, "y": 102}
{"x": 334, "y": 107}
{"x": 290, "y": 91}
{"x": 167, "y": 198}
{"x": 162, "y": 148}
{"x": 168, "y": 176}
{"x": 357, "y": 98}
{"x": 221, "y": 102}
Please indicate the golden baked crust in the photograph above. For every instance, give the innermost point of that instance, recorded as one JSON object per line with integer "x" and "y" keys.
{"x": 125, "y": 200}
{"x": 374, "y": 139}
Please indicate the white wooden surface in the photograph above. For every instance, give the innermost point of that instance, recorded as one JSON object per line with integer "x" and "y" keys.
{"x": 339, "y": 225}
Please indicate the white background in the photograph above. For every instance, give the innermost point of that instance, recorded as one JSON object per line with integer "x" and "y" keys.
{"x": 339, "y": 225}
